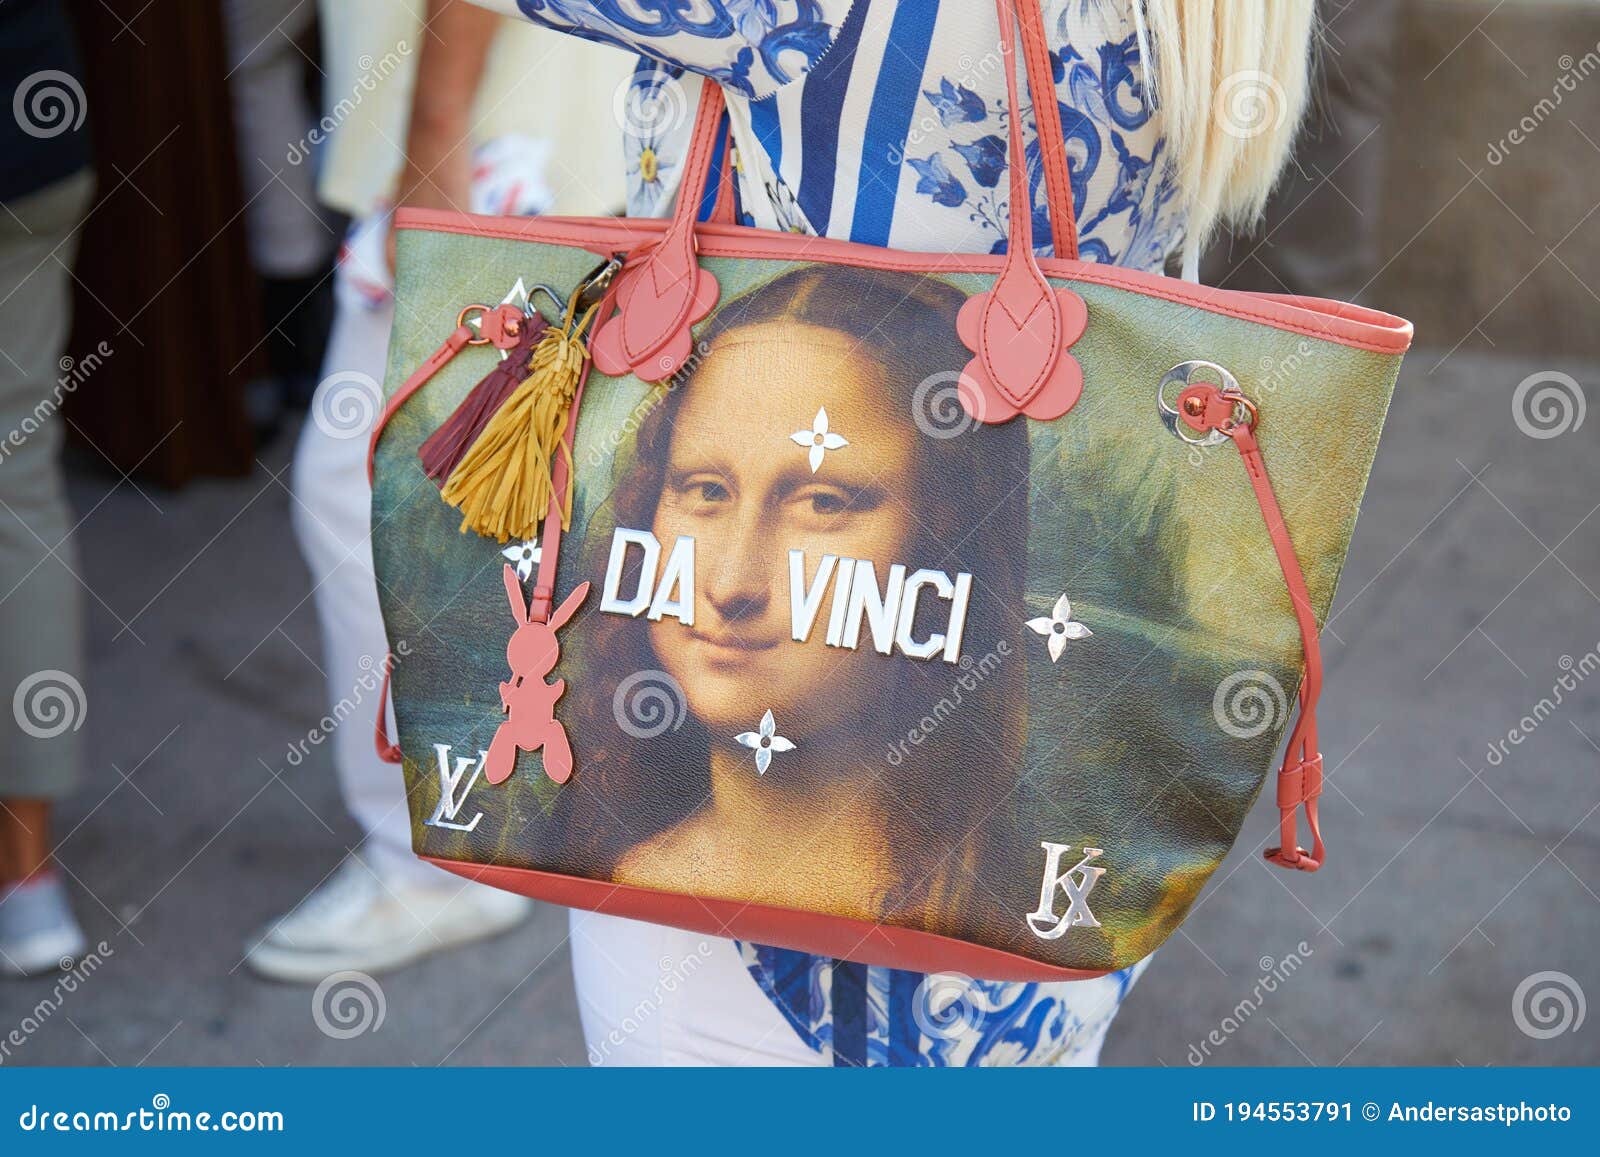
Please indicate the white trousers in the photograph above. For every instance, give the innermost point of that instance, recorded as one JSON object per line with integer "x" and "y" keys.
{"x": 331, "y": 510}
{"x": 656, "y": 996}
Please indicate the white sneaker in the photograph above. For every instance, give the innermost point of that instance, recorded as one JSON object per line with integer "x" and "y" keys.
{"x": 38, "y": 933}
{"x": 355, "y": 921}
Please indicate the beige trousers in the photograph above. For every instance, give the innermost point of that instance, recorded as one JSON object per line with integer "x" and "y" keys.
{"x": 42, "y": 698}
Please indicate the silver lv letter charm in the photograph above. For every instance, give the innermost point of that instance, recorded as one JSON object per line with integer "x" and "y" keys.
{"x": 1077, "y": 882}
{"x": 452, "y": 791}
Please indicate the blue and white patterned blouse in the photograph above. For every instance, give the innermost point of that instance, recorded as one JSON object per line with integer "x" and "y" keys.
{"x": 885, "y": 122}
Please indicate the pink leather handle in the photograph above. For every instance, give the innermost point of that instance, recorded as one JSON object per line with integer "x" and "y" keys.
{"x": 723, "y": 207}
{"x": 661, "y": 290}
{"x": 1019, "y": 224}
{"x": 697, "y": 165}
{"x": 1047, "y": 116}
{"x": 1021, "y": 329}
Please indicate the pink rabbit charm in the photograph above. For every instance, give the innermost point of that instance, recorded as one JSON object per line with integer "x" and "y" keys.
{"x": 530, "y": 702}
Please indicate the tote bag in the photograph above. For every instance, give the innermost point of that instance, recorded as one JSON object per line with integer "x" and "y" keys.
{"x": 941, "y": 611}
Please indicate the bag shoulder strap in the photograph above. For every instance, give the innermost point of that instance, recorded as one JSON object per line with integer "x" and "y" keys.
{"x": 1047, "y": 119}
{"x": 1014, "y": 16}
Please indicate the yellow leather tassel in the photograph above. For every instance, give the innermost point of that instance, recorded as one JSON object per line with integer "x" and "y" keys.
{"x": 502, "y": 485}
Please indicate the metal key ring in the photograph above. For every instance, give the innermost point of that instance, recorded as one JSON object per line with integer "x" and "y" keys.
{"x": 461, "y": 320}
{"x": 1186, "y": 374}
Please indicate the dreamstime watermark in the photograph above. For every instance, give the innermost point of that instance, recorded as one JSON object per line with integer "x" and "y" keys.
{"x": 49, "y": 703}
{"x": 74, "y": 372}
{"x": 348, "y": 1004}
{"x": 973, "y": 674}
{"x": 346, "y": 404}
{"x": 649, "y": 703}
{"x": 649, "y": 105}
{"x": 1548, "y": 404}
{"x": 369, "y": 682}
{"x": 373, "y": 73}
{"x": 1280, "y": 370}
{"x": 1273, "y": 974}
{"x": 1250, "y": 102}
{"x": 74, "y": 974}
{"x": 49, "y": 103}
{"x": 939, "y": 405}
{"x": 1576, "y": 671}
{"x": 1548, "y": 1004}
{"x": 160, "y": 1117}
{"x": 1572, "y": 71}
{"x": 673, "y": 974}
{"x": 945, "y": 1005}
{"x": 1248, "y": 703}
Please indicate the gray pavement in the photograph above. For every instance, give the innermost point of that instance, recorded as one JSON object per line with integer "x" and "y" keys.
{"x": 1474, "y": 571}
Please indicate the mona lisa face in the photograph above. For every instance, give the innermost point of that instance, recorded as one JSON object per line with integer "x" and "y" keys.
{"x": 744, "y": 490}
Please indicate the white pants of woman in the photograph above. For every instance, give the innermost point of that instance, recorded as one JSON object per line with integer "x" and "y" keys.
{"x": 657, "y": 996}
{"x": 332, "y": 510}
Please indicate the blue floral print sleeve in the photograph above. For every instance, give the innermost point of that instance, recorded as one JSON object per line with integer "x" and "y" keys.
{"x": 884, "y": 121}
{"x": 751, "y": 47}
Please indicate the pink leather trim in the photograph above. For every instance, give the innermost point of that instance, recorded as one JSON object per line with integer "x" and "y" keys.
{"x": 859, "y": 940}
{"x": 1350, "y": 325}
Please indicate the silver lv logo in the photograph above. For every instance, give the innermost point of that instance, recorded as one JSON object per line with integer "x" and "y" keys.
{"x": 1077, "y": 882}
{"x": 452, "y": 792}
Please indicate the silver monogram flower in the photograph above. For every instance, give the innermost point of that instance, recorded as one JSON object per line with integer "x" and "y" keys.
{"x": 525, "y": 556}
{"x": 765, "y": 741}
{"x": 819, "y": 438}
{"x": 517, "y": 295}
{"x": 1058, "y": 627}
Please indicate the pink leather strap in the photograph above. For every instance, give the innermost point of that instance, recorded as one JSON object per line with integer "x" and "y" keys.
{"x": 1205, "y": 407}
{"x": 1021, "y": 329}
{"x": 696, "y": 168}
{"x": 387, "y": 749}
{"x": 1012, "y": 15}
{"x": 662, "y": 292}
{"x": 1019, "y": 224}
{"x": 1047, "y": 118}
{"x": 1025, "y": 15}
{"x": 1300, "y": 777}
{"x": 723, "y": 208}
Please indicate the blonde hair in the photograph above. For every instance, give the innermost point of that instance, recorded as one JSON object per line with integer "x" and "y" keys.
{"x": 1231, "y": 80}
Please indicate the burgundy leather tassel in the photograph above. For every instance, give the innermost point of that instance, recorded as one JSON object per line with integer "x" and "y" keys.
{"x": 447, "y": 445}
